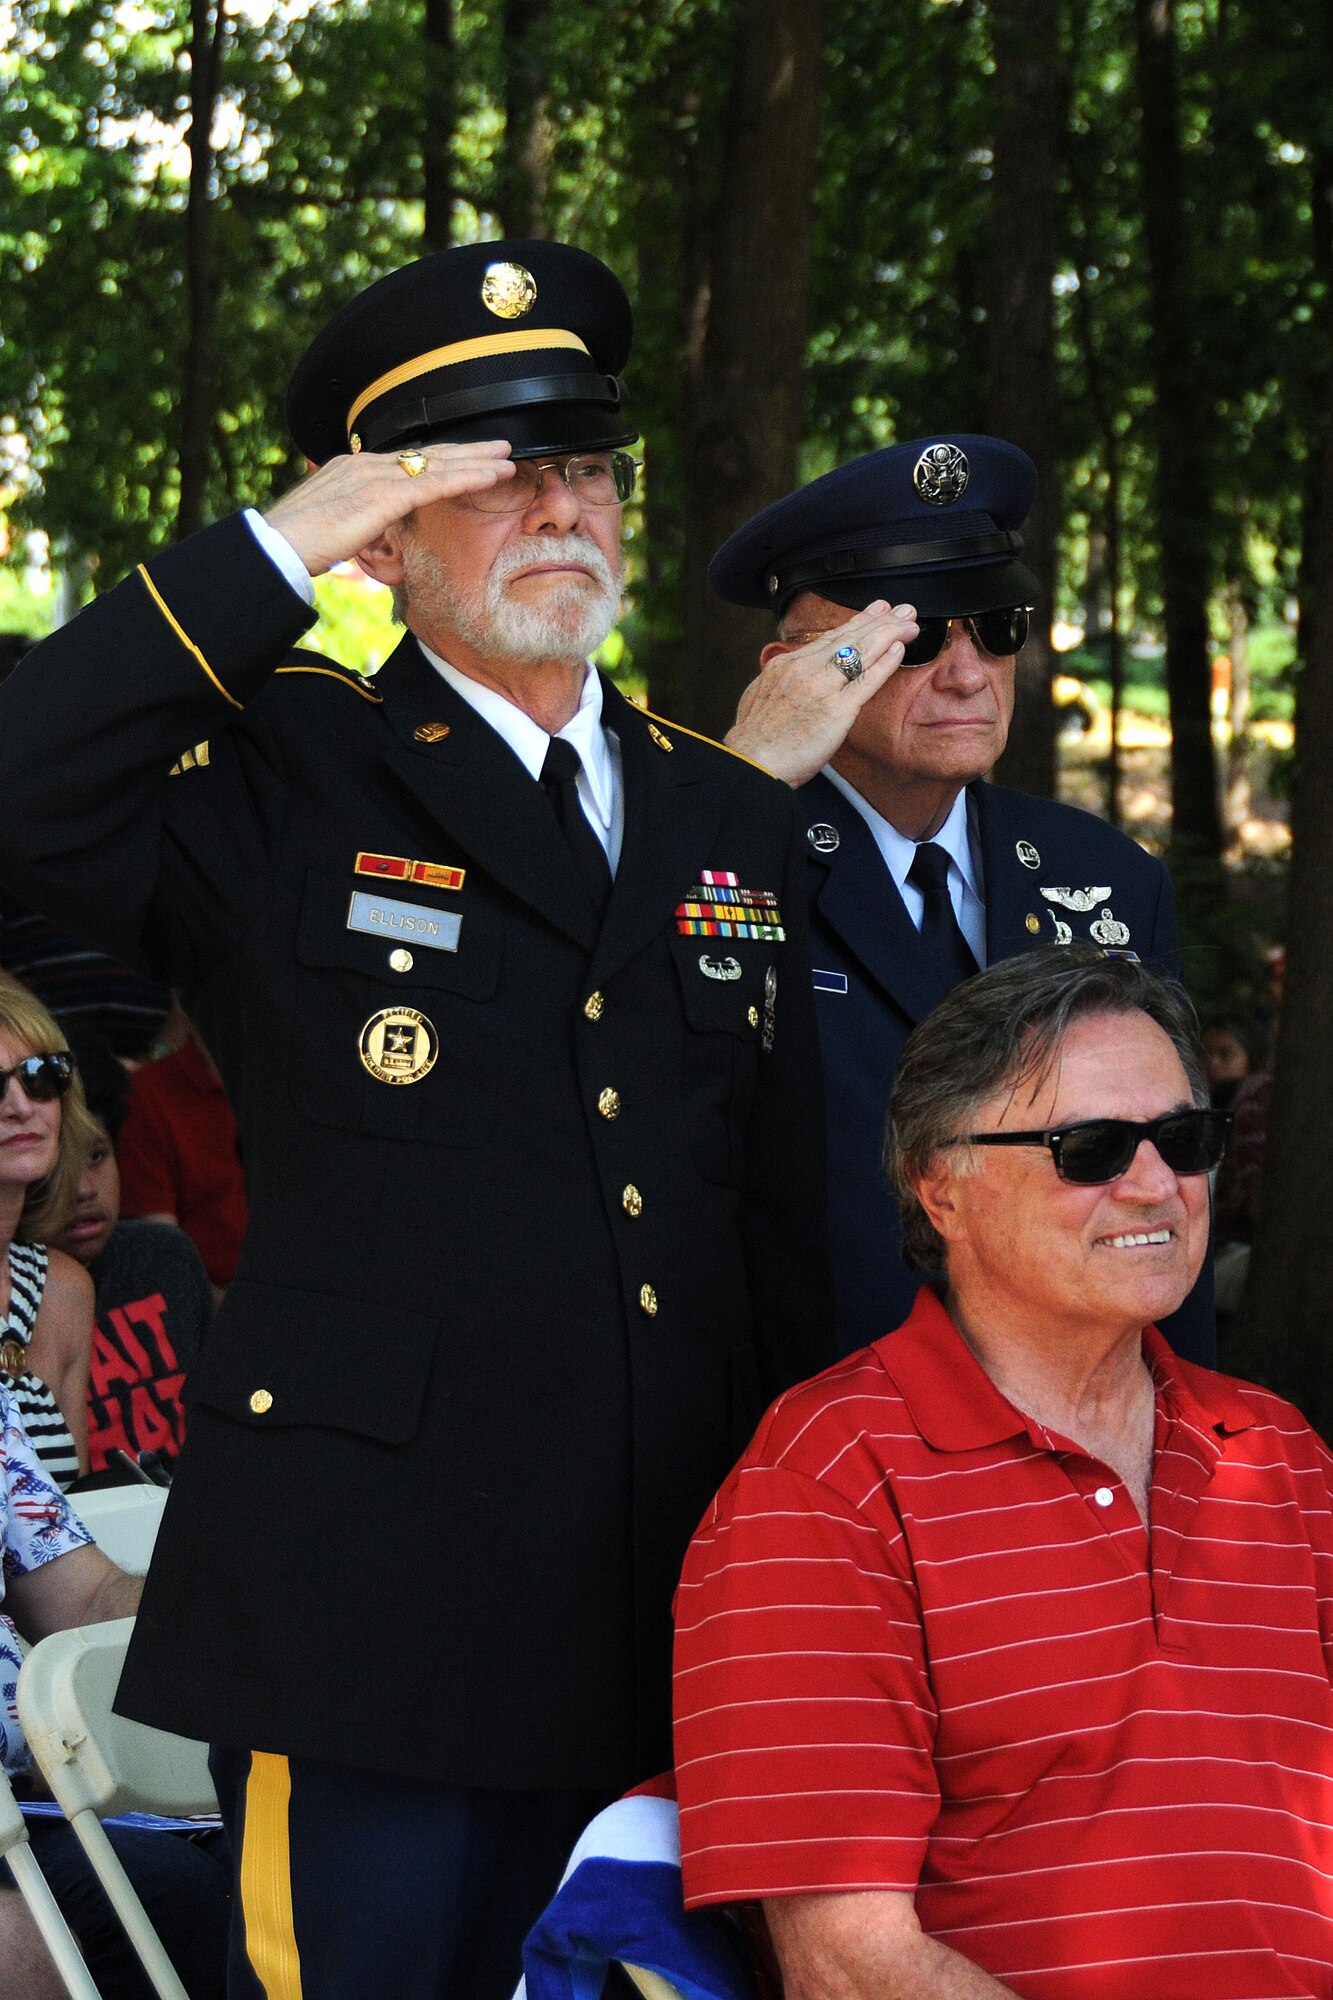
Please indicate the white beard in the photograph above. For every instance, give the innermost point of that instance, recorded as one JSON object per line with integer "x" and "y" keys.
{"x": 571, "y": 620}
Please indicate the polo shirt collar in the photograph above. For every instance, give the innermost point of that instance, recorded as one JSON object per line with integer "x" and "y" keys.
{"x": 956, "y": 1407}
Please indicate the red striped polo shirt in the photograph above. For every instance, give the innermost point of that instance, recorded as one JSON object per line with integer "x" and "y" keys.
{"x": 925, "y": 1645}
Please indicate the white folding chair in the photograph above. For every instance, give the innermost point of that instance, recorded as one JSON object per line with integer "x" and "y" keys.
{"x": 123, "y": 1521}
{"x": 97, "y": 1763}
{"x": 650, "y": 1984}
{"x": 36, "y": 1893}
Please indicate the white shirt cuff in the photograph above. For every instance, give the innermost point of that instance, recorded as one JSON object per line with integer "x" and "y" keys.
{"x": 280, "y": 551}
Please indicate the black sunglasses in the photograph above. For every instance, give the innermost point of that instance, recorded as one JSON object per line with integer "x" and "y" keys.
{"x": 1100, "y": 1149}
{"x": 998, "y": 632}
{"x": 41, "y": 1078}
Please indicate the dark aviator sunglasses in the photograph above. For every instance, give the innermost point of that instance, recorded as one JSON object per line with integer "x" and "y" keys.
{"x": 1101, "y": 1149}
{"x": 41, "y": 1078}
{"x": 1000, "y": 633}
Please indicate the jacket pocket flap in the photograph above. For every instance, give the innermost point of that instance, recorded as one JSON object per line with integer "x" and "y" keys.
{"x": 278, "y": 1357}
{"x": 356, "y": 926}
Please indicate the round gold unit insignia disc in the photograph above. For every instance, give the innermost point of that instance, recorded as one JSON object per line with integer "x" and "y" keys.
{"x": 398, "y": 1045}
{"x": 508, "y": 290}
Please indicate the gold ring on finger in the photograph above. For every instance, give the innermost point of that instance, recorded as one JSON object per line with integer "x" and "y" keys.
{"x": 413, "y": 462}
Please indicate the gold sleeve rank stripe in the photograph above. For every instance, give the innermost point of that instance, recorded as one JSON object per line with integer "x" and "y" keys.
{"x": 195, "y": 759}
{"x": 183, "y": 635}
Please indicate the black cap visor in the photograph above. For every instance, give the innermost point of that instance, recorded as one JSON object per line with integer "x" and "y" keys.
{"x": 538, "y": 415}
{"x": 938, "y": 592}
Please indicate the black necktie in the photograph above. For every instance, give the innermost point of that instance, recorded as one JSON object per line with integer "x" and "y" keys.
{"x": 560, "y": 773}
{"x": 941, "y": 937}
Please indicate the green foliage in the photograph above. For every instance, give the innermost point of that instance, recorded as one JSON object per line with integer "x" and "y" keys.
{"x": 317, "y": 186}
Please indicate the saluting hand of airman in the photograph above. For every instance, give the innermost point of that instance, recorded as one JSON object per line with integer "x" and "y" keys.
{"x": 348, "y": 502}
{"x": 796, "y": 713}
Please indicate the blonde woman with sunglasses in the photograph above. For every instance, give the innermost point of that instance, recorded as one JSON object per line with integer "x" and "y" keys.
{"x": 46, "y": 1298}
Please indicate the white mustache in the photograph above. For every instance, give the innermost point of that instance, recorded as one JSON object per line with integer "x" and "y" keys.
{"x": 530, "y": 549}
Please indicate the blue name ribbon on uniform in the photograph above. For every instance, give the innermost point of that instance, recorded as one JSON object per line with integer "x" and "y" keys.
{"x": 412, "y": 923}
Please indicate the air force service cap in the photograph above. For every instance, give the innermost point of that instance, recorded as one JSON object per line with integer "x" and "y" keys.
{"x": 519, "y": 339}
{"x": 933, "y": 523}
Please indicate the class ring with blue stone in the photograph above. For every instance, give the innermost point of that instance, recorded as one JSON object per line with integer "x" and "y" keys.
{"x": 848, "y": 662}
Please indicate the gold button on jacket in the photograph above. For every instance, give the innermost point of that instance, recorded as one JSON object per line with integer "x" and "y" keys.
{"x": 648, "y": 1301}
{"x": 609, "y": 1104}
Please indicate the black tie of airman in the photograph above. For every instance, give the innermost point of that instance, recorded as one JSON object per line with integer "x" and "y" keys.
{"x": 560, "y": 773}
{"x": 942, "y": 940}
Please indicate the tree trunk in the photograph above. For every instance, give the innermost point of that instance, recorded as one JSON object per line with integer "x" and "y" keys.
{"x": 1238, "y": 710}
{"x": 1022, "y": 400}
{"x": 208, "y": 30}
{"x": 525, "y": 166}
{"x": 439, "y": 109}
{"x": 743, "y": 420}
{"x": 1183, "y": 477}
{"x": 1285, "y": 1333}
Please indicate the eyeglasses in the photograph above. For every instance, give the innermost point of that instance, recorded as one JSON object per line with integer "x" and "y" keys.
{"x": 598, "y": 479}
{"x": 1101, "y": 1149}
{"x": 1000, "y": 633}
{"x": 41, "y": 1078}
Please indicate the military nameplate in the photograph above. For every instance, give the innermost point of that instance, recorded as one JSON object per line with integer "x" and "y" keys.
{"x": 383, "y": 916}
{"x": 398, "y": 1045}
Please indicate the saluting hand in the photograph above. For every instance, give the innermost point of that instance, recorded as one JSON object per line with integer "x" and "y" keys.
{"x": 348, "y": 502}
{"x": 797, "y": 712}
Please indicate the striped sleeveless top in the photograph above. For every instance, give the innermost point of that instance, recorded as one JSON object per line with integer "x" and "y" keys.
{"x": 47, "y": 1430}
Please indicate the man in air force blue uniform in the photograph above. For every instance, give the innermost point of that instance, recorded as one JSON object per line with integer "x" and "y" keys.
{"x": 886, "y": 697}
{"x": 533, "y": 1141}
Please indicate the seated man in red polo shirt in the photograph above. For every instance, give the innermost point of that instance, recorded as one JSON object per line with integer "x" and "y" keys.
{"x": 1004, "y": 1656}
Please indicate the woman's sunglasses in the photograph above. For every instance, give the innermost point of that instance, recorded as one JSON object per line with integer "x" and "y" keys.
{"x": 997, "y": 632}
{"x": 1101, "y": 1149}
{"x": 41, "y": 1078}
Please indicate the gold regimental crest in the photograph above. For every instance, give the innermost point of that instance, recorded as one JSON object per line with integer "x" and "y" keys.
{"x": 508, "y": 290}
{"x": 398, "y": 1045}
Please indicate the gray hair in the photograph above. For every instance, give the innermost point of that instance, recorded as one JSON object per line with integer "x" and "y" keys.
{"x": 1005, "y": 1025}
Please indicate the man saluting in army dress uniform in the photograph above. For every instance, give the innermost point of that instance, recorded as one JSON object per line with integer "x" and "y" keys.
{"x": 508, "y": 983}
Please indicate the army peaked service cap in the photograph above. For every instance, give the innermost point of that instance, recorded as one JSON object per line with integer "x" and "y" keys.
{"x": 523, "y": 340}
{"x": 933, "y": 523}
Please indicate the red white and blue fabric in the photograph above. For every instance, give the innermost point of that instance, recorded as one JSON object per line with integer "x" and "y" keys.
{"x": 620, "y": 1902}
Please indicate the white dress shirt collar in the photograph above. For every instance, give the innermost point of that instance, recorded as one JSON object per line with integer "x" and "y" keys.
{"x": 955, "y": 837}
{"x": 598, "y": 747}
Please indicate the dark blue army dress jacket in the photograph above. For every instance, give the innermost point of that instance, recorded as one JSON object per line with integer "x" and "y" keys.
{"x": 537, "y": 1216}
{"x": 1051, "y": 875}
